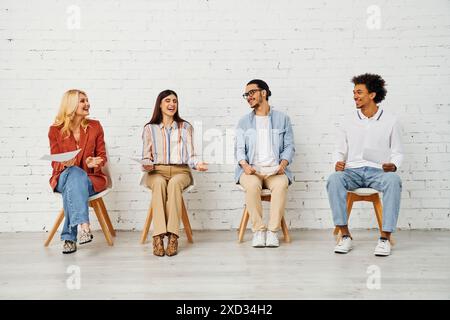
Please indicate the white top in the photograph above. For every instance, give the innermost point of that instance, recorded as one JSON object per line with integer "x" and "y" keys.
{"x": 263, "y": 152}
{"x": 377, "y": 138}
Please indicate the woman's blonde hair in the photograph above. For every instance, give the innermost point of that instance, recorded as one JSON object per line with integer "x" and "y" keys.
{"x": 67, "y": 108}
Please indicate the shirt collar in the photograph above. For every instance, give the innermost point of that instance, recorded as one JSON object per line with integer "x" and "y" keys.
{"x": 253, "y": 113}
{"x": 376, "y": 116}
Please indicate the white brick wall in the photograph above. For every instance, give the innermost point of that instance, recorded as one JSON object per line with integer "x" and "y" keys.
{"x": 127, "y": 51}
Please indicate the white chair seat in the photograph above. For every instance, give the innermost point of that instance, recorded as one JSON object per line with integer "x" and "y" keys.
{"x": 264, "y": 192}
{"x": 100, "y": 194}
{"x": 189, "y": 188}
{"x": 95, "y": 196}
{"x": 364, "y": 191}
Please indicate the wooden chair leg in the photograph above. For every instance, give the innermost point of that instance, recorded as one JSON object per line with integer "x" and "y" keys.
{"x": 148, "y": 222}
{"x": 378, "y": 210}
{"x": 243, "y": 226}
{"x": 186, "y": 223}
{"x": 106, "y": 216}
{"x": 58, "y": 221}
{"x": 98, "y": 212}
{"x": 285, "y": 230}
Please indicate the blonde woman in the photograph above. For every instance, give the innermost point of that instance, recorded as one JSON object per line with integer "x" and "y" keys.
{"x": 169, "y": 150}
{"x": 80, "y": 177}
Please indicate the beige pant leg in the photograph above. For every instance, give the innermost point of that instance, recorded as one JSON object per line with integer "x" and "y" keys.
{"x": 158, "y": 184}
{"x": 253, "y": 186}
{"x": 181, "y": 179}
{"x": 278, "y": 185}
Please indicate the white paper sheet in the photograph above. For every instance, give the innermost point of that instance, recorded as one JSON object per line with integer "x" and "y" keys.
{"x": 61, "y": 157}
{"x": 266, "y": 171}
{"x": 377, "y": 156}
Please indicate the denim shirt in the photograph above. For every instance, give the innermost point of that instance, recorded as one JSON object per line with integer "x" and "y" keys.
{"x": 282, "y": 140}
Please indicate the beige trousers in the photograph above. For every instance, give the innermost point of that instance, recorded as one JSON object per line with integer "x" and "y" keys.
{"x": 167, "y": 183}
{"x": 253, "y": 184}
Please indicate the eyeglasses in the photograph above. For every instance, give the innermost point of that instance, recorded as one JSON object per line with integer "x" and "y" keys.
{"x": 250, "y": 93}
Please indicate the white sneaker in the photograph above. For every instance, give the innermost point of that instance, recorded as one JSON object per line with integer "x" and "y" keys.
{"x": 344, "y": 245}
{"x": 259, "y": 239}
{"x": 383, "y": 248}
{"x": 272, "y": 239}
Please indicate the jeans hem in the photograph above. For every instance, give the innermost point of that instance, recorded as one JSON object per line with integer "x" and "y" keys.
{"x": 73, "y": 225}
{"x": 68, "y": 239}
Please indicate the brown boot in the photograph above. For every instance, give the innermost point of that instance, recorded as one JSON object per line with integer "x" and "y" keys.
{"x": 172, "y": 245}
{"x": 158, "y": 245}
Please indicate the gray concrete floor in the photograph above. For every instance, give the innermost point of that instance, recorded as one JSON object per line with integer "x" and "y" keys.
{"x": 217, "y": 267}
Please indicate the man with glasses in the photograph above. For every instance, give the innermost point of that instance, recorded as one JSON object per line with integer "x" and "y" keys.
{"x": 264, "y": 148}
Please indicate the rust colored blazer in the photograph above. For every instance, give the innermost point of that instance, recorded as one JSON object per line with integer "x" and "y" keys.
{"x": 91, "y": 143}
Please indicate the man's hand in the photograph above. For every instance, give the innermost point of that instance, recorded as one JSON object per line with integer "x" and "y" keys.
{"x": 93, "y": 162}
{"x": 340, "y": 166}
{"x": 201, "y": 166}
{"x": 283, "y": 164}
{"x": 389, "y": 167}
{"x": 247, "y": 168}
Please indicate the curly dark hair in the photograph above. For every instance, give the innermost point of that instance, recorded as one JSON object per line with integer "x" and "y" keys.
{"x": 373, "y": 83}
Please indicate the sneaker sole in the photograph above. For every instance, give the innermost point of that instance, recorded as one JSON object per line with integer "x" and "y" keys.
{"x": 92, "y": 237}
{"x": 342, "y": 251}
{"x": 379, "y": 254}
{"x": 69, "y": 252}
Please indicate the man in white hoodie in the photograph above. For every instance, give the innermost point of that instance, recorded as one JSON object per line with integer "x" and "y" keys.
{"x": 368, "y": 153}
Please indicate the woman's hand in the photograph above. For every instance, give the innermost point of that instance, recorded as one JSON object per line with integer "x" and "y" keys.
{"x": 93, "y": 162}
{"x": 148, "y": 167}
{"x": 202, "y": 166}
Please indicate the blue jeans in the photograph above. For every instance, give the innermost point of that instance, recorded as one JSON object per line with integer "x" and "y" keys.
{"x": 76, "y": 188}
{"x": 365, "y": 177}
